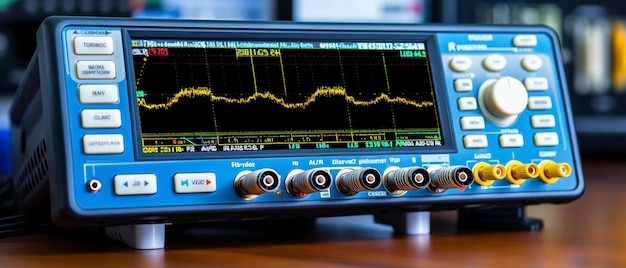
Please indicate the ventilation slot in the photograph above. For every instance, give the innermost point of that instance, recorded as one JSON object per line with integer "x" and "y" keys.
{"x": 34, "y": 172}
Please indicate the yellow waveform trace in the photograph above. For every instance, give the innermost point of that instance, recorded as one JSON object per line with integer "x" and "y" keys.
{"x": 320, "y": 92}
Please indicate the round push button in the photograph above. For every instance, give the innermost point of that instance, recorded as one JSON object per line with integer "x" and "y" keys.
{"x": 460, "y": 63}
{"x": 532, "y": 63}
{"x": 494, "y": 62}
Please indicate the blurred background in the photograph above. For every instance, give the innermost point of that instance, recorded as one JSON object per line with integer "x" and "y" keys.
{"x": 593, "y": 35}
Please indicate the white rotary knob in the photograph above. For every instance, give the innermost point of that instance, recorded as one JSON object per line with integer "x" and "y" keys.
{"x": 502, "y": 100}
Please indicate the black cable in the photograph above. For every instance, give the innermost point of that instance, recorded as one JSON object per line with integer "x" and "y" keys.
{"x": 12, "y": 221}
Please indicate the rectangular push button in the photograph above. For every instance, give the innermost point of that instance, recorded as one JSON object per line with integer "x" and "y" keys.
{"x": 467, "y": 104}
{"x": 93, "y": 45}
{"x": 475, "y": 141}
{"x": 98, "y": 94}
{"x": 536, "y": 83}
{"x": 463, "y": 85}
{"x": 194, "y": 183}
{"x": 539, "y": 103}
{"x": 91, "y": 69}
{"x": 511, "y": 140}
{"x": 103, "y": 144}
{"x": 546, "y": 139}
{"x": 101, "y": 118}
{"x": 472, "y": 122}
{"x": 525, "y": 40}
{"x": 135, "y": 184}
{"x": 542, "y": 121}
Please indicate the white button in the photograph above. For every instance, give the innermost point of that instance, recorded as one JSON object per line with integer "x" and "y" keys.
{"x": 90, "y": 94}
{"x": 462, "y": 85}
{"x": 542, "y": 121}
{"x": 103, "y": 144}
{"x": 467, "y": 104}
{"x": 472, "y": 122}
{"x": 194, "y": 183}
{"x": 494, "y": 62}
{"x": 539, "y": 103}
{"x": 135, "y": 184}
{"x": 546, "y": 139}
{"x": 93, "y": 45}
{"x": 460, "y": 63}
{"x": 536, "y": 83}
{"x": 511, "y": 140}
{"x": 475, "y": 141}
{"x": 95, "y": 69}
{"x": 101, "y": 118}
{"x": 532, "y": 63}
{"x": 525, "y": 40}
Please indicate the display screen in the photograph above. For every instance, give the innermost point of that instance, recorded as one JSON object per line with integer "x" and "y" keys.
{"x": 198, "y": 96}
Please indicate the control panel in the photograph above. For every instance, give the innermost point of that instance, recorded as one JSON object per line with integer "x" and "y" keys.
{"x": 171, "y": 120}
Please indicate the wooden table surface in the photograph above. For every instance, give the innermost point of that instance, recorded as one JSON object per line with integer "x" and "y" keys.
{"x": 589, "y": 232}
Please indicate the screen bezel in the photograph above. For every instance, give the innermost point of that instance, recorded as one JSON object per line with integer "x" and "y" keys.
{"x": 433, "y": 58}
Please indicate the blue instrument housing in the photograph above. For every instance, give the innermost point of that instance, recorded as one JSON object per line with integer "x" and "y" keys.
{"x": 104, "y": 175}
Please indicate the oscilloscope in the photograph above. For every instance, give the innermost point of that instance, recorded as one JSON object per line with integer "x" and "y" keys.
{"x": 132, "y": 124}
